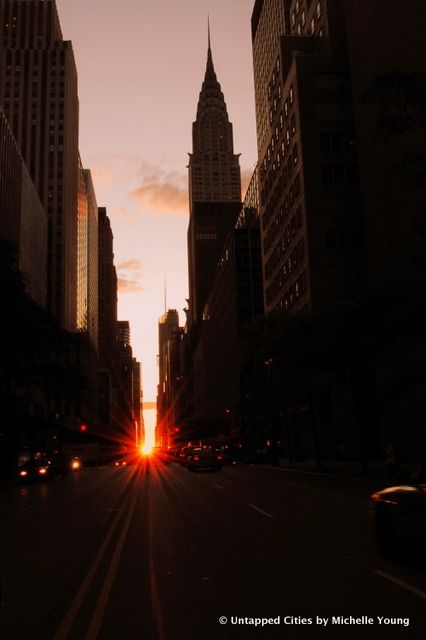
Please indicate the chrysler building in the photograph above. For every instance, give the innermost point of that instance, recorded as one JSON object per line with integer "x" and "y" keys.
{"x": 214, "y": 189}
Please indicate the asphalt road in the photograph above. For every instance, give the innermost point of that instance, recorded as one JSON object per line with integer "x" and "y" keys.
{"x": 158, "y": 553}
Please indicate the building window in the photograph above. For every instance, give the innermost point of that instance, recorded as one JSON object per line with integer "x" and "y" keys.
{"x": 319, "y": 10}
{"x": 312, "y": 26}
{"x": 291, "y": 95}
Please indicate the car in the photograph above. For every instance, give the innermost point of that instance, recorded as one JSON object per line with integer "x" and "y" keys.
{"x": 204, "y": 458}
{"x": 184, "y": 453}
{"x": 43, "y": 468}
{"x": 400, "y": 515}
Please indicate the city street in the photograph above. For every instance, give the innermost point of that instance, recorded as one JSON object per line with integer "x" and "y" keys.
{"x": 157, "y": 552}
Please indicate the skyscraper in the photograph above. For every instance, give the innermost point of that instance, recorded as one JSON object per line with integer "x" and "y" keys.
{"x": 38, "y": 91}
{"x": 310, "y": 207}
{"x": 214, "y": 188}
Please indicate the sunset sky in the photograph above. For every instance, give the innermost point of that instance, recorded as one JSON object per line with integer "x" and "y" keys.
{"x": 140, "y": 67}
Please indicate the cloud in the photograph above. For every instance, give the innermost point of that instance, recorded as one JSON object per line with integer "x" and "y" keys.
{"x": 126, "y": 285}
{"x": 130, "y": 265}
{"x": 162, "y": 191}
{"x": 129, "y": 276}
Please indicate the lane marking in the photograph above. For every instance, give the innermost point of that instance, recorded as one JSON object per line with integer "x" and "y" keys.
{"x": 265, "y": 513}
{"x": 71, "y": 615}
{"x": 401, "y": 583}
{"x": 96, "y": 621}
{"x": 219, "y": 486}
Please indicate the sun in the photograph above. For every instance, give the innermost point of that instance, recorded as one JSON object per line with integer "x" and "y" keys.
{"x": 146, "y": 449}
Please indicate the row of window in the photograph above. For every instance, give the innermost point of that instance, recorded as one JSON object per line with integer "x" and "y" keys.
{"x": 278, "y": 192}
{"x": 286, "y": 171}
{"x": 337, "y": 142}
{"x": 291, "y": 296}
{"x": 339, "y": 173}
{"x": 300, "y": 9}
{"x": 284, "y": 243}
{"x": 274, "y": 143}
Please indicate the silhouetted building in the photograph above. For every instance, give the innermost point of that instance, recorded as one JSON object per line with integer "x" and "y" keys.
{"x": 388, "y": 67}
{"x": 107, "y": 300}
{"x": 38, "y": 91}
{"x": 214, "y": 189}
{"x": 310, "y": 209}
{"x": 137, "y": 403}
{"x": 128, "y": 386}
{"x": 168, "y": 325}
{"x": 23, "y": 220}
{"x": 234, "y": 303}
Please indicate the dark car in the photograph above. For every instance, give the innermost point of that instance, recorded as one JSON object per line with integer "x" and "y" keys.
{"x": 43, "y": 468}
{"x": 400, "y": 514}
{"x": 204, "y": 458}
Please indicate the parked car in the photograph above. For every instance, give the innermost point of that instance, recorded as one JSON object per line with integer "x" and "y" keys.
{"x": 400, "y": 514}
{"x": 204, "y": 458}
{"x": 43, "y": 468}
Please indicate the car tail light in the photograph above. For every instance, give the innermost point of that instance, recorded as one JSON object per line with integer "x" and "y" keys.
{"x": 42, "y": 471}
{"x": 219, "y": 457}
{"x": 196, "y": 457}
{"x": 23, "y": 473}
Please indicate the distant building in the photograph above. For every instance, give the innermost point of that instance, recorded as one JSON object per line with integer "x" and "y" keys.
{"x": 168, "y": 326}
{"x": 23, "y": 221}
{"x": 128, "y": 388}
{"x": 38, "y": 92}
{"x": 87, "y": 258}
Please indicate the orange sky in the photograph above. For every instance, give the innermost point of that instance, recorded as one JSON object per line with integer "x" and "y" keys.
{"x": 140, "y": 67}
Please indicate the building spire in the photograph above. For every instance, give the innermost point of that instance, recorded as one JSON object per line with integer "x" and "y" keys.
{"x": 209, "y": 49}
